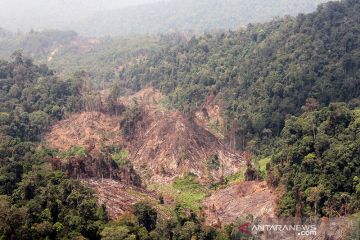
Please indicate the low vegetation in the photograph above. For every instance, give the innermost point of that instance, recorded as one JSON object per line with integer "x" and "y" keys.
{"x": 79, "y": 151}
{"x": 186, "y": 191}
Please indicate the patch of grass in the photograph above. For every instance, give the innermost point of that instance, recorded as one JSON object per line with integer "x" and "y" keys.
{"x": 213, "y": 125}
{"x": 191, "y": 191}
{"x": 77, "y": 151}
{"x": 261, "y": 166}
{"x": 262, "y": 163}
{"x": 237, "y": 177}
{"x": 186, "y": 190}
{"x": 120, "y": 157}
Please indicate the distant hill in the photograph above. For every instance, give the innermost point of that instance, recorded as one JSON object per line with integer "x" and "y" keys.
{"x": 3, "y": 33}
{"x": 180, "y": 15}
{"x": 66, "y": 52}
{"x": 34, "y": 44}
{"x": 25, "y": 15}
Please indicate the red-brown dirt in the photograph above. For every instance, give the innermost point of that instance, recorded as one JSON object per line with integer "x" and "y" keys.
{"x": 117, "y": 197}
{"x": 171, "y": 145}
{"x": 85, "y": 129}
{"x": 236, "y": 201}
{"x": 166, "y": 144}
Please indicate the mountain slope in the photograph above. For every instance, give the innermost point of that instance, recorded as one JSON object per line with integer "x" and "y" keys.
{"x": 263, "y": 73}
{"x": 185, "y": 15}
{"x": 317, "y": 162}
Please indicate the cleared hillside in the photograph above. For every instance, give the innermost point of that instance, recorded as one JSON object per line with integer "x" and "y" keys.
{"x": 162, "y": 144}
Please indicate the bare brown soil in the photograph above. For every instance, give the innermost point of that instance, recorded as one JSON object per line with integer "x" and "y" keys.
{"x": 171, "y": 145}
{"x": 117, "y": 197}
{"x": 167, "y": 144}
{"x": 85, "y": 129}
{"x": 254, "y": 198}
{"x": 236, "y": 201}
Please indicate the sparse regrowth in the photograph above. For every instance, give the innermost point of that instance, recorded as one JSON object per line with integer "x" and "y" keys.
{"x": 76, "y": 151}
{"x": 186, "y": 191}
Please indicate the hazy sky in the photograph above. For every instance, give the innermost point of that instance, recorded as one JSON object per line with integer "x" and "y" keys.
{"x": 40, "y": 14}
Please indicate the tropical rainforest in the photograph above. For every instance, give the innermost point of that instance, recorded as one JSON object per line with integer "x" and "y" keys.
{"x": 288, "y": 91}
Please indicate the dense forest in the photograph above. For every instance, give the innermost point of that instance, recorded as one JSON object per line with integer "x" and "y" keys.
{"x": 187, "y": 15}
{"x": 35, "y": 202}
{"x": 318, "y": 162}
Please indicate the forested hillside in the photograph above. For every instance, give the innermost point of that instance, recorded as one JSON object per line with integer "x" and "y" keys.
{"x": 318, "y": 162}
{"x": 187, "y": 15}
{"x": 36, "y": 202}
{"x": 38, "y": 45}
{"x": 261, "y": 74}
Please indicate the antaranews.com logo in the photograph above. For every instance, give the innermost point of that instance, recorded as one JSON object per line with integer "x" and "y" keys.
{"x": 300, "y": 230}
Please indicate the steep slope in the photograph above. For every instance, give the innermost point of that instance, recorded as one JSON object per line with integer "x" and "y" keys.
{"x": 163, "y": 144}
{"x": 175, "y": 145}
